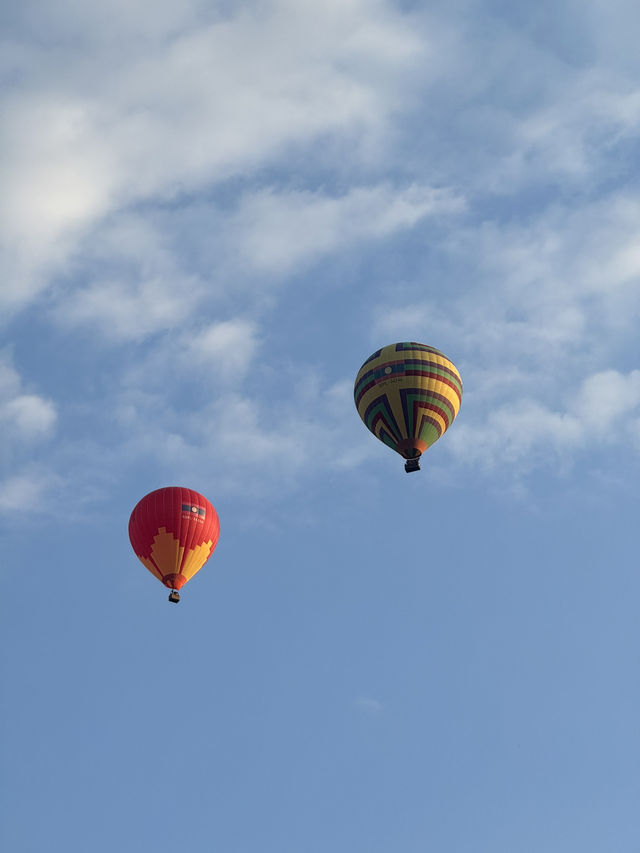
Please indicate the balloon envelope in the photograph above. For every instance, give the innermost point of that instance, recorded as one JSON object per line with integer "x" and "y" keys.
{"x": 173, "y": 532}
{"x": 408, "y": 395}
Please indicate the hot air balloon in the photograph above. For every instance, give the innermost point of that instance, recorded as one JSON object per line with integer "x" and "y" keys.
{"x": 408, "y": 394}
{"x": 173, "y": 532}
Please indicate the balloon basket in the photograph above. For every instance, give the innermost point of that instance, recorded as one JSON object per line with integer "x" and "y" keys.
{"x": 174, "y": 596}
{"x": 412, "y": 465}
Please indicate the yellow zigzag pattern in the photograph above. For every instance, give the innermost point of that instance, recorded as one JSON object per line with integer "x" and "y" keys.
{"x": 167, "y": 556}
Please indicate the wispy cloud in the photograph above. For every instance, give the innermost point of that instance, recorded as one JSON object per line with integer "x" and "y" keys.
{"x": 28, "y": 421}
{"x": 224, "y": 349}
{"x": 549, "y": 306}
{"x": 24, "y": 416}
{"x": 284, "y": 434}
{"x": 137, "y": 277}
{"x": 192, "y": 100}
{"x": 278, "y": 231}
{"x": 30, "y": 415}
{"x": 525, "y": 432}
{"x": 368, "y": 705}
{"x": 165, "y": 202}
{"x": 24, "y": 492}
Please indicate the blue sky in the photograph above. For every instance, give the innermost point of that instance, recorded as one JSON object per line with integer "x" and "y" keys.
{"x": 212, "y": 214}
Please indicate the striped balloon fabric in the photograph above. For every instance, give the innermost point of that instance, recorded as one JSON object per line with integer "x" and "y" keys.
{"x": 408, "y": 395}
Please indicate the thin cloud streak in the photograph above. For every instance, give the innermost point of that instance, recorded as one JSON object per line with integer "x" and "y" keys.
{"x": 369, "y": 706}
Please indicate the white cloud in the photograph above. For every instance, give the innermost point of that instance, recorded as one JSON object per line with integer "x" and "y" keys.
{"x": 226, "y": 349}
{"x": 592, "y": 110}
{"x": 606, "y": 399}
{"x": 368, "y": 705}
{"x": 10, "y": 381}
{"x": 26, "y": 421}
{"x": 131, "y": 283}
{"x": 56, "y": 177}
{"x": 485, "y": 123}
{"x": 24, "y": 416}
{"x": 526, "y": 432}
{"x": 119, "y": 142}
{"x": 568, "y": 278}
{"x": 516, "y": 303}
{"x": 277, "y": 231}
{"x": 292, "y": 425}
{"x": 125, "y": 310}
{"x": 23, "y": 492}
{"x": 31, "y": 415}
{"x": 203, "y": 359}
{"x": 132, "y": 108}
{"x": 548, "y": 305}
{"x": 303, "y": 427}
{"x": 134, "y": 278}
{"x": 634, "y": 431}
{"x": 523, "y": 432}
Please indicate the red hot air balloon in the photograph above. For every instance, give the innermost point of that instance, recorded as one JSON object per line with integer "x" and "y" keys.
{"x": 173, "y": 532}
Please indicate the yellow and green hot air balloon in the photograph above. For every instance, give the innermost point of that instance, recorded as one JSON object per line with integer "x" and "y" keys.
{"x": 408, "y": 394}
